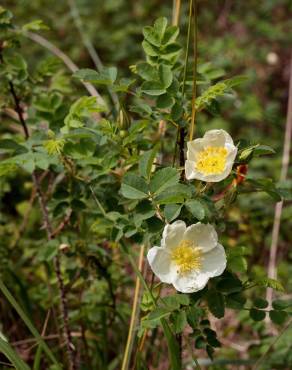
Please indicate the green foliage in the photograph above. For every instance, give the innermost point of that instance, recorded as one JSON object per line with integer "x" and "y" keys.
{"x": 110, "y": 181}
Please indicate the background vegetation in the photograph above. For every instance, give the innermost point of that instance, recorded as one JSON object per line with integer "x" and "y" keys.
{"x": 86, "y": 206}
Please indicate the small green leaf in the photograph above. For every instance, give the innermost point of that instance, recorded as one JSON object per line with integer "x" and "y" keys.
{"x": 163, "y": 179}
{"x": 146, "y": 162}
{"x": 216, "y": 304}
{"x": 153, "y": 88}
{"x": 160, "y": 27}
{"x": 166, "y": 76}
{"x": 174, "y": 194}
{"x": 172, "y": 211}
{"x": 229, "y": 285}
{"x": 179, "y": 321}
{"x": 134, "y": 187}
{"x": 278, "y": 317}
{"x": 159, "y": 313}
{"x": 281, "y": 304}
{"x": 196, "y": 208}
{"x": 257, "y": 315}
{"x": 147, "y": 72}
{"x": 260, "y": 303}
{"x": 106, "y": 76}
{"x": 164, "y": 101}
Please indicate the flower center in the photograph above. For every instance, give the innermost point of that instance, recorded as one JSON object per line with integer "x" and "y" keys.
{"x": 186, "y": 256}
{"x": 212, "y": 160}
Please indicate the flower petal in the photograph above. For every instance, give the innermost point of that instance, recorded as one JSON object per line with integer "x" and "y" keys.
{"x": 190, "y": 170}
{"x": 191, "y": 282}
{"x": 214, "y": 262}
{"x": 203, "y": 236}
{"x": 173, "y": 234}
{"x": 160, "y": 262}
{"x": 194, "y": 147}
{"x": 217, "y": 138}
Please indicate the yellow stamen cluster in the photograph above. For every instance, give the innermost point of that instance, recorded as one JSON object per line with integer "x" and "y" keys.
{"x": 212, "y": 160}
{"x": 186, "y": 256}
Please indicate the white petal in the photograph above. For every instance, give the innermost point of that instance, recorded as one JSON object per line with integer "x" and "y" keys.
{"x": 218, "y": 138}
{"x": 195, "y": 147}
{"x": 203, "y": 236}
{"x": 191, "y": 282}
{"x": 214, "y": 262}
{"x": 173, "y": 234}
{"x": 160, "y": 262}
{"x": 190, "y": 170}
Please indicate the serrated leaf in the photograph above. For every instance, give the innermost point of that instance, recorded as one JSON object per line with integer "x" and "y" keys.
{"x": 106, "y": 76}
{"x": 270, "y": 283}
{"x": 229, "y": 285}
{"x": 196, "y": 208}
{"x": 134, "y": 187}
{"x": 163, "y": 179}
{"x": 175, "y": 194}
{"x": 172, "y": 211}
{"x": 179, "y": 321}
{"x": 216, "y": 303}
{"x": 153, "y": 88}
{"x": 281, "y": 304}
{"x": 146, "y": 162}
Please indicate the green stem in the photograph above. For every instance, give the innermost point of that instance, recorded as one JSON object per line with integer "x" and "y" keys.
{"x": 173, "y": 347}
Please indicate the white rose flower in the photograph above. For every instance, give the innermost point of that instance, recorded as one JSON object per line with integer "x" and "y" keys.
{"x": 188, "y": 256}
{"x": 210, "y": 158}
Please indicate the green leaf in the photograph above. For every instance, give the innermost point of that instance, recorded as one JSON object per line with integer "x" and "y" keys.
{"x": 260, "y": 303}
{"x": 106, "y": 76}
{"x": 174, "y": 194}
{"x": 196, "y": 208}
{"x": 229, "y": 285}
{"x": 235, "y": 301}
{"x": 216, "y": 304}
{"x": 48, "y": 251}
{"x": 164, "y": 101}
{"x": 257, "y": 315}
{"x": 134, "y": 187}
{"x": 176, "y": 111}
{"x": 12, "y": 356}
{"x": 179, "y": 321}
{"x": 146, "y": 162}
{"x": 270, "y": 283}
{"x": 170, "y": 35}
{"x": 172, "y": 211}
{"x": 166, "y": 76}
{"x": 150, "y": 49}
{"x": 153, "y": 88}
{"x": 147, "y": 72}
{"x": 151, "y": 36}
{"x": 158, "y": 313}
{"x": 278, "y": 317}
{"x": 163, "y": 179}
{"x": 160, "y": 27}
{"x": 36, "y": 25}
{"x": 237, "y": 263}
{"x": 281, "y": 304}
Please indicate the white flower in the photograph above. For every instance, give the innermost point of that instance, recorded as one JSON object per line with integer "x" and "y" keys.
{"x": 188, "y": 256}
{"x": 210, "y": 158}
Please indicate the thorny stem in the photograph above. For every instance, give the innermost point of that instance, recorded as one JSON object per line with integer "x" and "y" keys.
{"x": 49, "y": 230}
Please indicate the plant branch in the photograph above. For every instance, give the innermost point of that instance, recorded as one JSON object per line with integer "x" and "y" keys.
{"x": 194, "y": 92}
{"x": 129, "y": 344}
{"x": 48, "y": 227}
{"x": 90, "y": 48}
{"x": 65, "y": 59}
{"x": 272, "y": 271}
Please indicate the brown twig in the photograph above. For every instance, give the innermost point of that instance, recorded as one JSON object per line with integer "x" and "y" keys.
{"x": 50, "y": 236}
